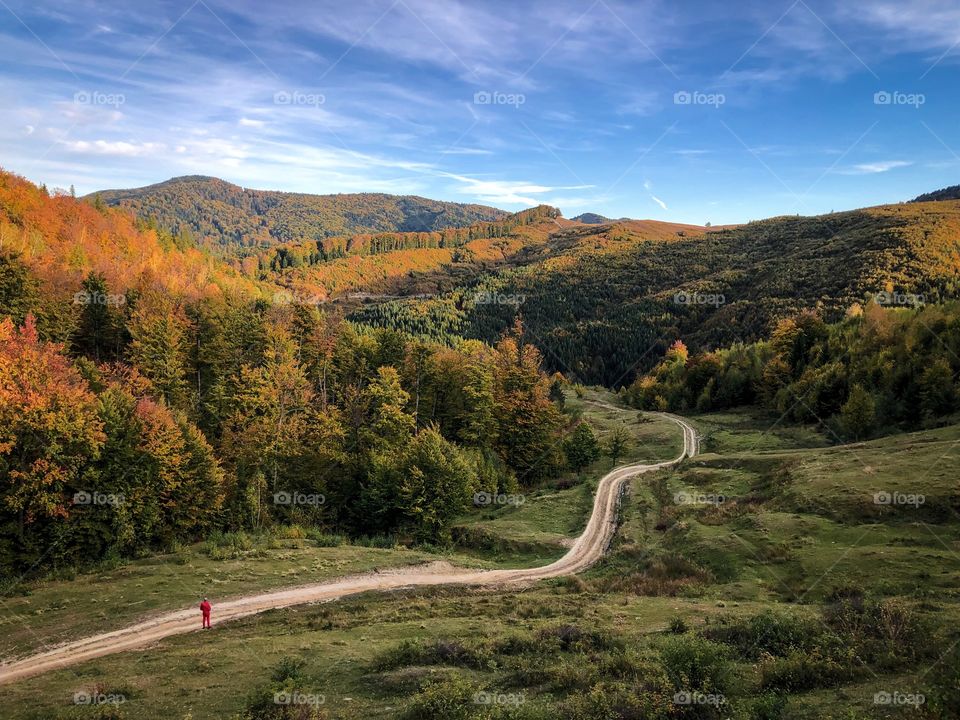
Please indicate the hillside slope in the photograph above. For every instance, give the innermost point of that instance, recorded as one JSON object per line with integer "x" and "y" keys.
{"x": 415, "y": 264}
{"x": 610, "y": 301}
{"x": 61, "y": 240}
{"x": 221, "y": 214}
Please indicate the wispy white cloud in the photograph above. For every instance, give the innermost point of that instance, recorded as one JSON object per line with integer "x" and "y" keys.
{"x": 918, "y": 25}
{"x": 119, "y": 147}
{"x": 397, "y": 83}
{"x": 876, "y": 167}
{"x": 466, "y": 151}
{"x": 507, "y": 192}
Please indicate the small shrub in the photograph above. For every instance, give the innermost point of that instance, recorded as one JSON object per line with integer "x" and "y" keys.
{"x": 289, "y": 668}
{"x": 324, "y": 539}
{"x": 571, "y": 638}
{"x": 694, "y": 663}
{"x": 289, "y": 532}
{"x": 769, "y": 706}
{"x": 801, "y": 671}
{"x": 384, "y": 542}
{"x": 450, "y": 699}
{"x": 437, "y": 652}
{"x": 886, "y": 632}
{"x": 618, "y": 701}
{"x": 770, "y": 633}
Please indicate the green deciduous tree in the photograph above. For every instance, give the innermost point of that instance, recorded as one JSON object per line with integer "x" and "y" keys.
{"x": 616, "y": 443}
{"x": 858, "y": 416}
{"x": 581, "y": 447}
{"x": 423, "y": 490}
{"x": 938, "y": 394}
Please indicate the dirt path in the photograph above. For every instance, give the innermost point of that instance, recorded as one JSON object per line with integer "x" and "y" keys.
{"x": 586, "y": 550}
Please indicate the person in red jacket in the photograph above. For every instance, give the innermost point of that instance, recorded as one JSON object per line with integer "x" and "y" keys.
{"x": 205, "y": 609}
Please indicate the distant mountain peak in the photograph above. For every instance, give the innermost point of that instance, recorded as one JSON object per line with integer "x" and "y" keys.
{"x": 224, "y": 215}
{"x": 589, "y": 218}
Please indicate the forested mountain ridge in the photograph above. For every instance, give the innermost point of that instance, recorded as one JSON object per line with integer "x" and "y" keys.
{"x": 947, "y": 193}
{"x": 602, "y": 301}
{"x": 405, "y": 263}
{"x": 879, "y": 368}
{"x": 610, "y": 304}
{"x": 415, "y": 264}
{"x": 224, "y": 215}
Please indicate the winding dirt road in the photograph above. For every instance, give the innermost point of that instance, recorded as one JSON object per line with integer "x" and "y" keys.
{"x": 587, "y": 549}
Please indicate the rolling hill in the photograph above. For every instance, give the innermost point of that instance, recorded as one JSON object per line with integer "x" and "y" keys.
{"x": 606, "y": 301}
{"x": 418, "y": 264}
{"x": 591, "y": 219}
{"x": 602, "y": 302}
{"x": 226, "y": 216}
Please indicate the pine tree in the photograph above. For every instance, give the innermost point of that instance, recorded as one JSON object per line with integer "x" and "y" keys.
{"x": 158, "y": 347}
{"x": 99, "y": 329}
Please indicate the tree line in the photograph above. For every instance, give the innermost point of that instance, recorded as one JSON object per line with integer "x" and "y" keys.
{"x": 879, "y": 370}
{"x": 313, "y": 252}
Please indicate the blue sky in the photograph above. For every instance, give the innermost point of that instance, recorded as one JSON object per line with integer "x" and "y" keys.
{"x": 684, "y": 111}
